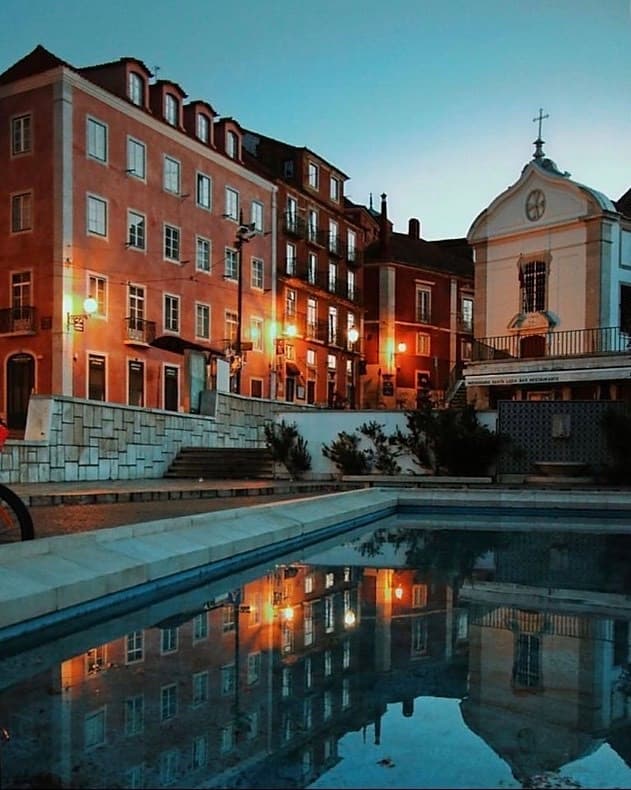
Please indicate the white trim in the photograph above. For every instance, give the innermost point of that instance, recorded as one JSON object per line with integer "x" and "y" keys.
{"x": 547, "y": 377}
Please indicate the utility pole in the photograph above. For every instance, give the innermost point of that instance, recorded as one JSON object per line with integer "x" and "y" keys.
{"x": 244, "y": 233}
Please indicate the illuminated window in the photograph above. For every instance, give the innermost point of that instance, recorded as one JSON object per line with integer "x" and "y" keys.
{"x": 423, "y": 344}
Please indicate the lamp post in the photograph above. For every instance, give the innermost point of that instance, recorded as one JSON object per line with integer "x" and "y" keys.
{"x": 77, "y": 321}
{"x": 244, "y": 234}
{"x": 353, "y": 337}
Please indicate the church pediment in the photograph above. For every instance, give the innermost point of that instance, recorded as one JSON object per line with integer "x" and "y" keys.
{"x": 541, "y": 197}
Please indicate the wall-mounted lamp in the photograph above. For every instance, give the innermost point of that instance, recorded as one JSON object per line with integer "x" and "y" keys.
{"x": 77, "y": 321}
{"x": 291, "y": 330}
{"x": 402, "y": 348}
{"x": 353, "y": 334}
{"x": 398, "y": 592}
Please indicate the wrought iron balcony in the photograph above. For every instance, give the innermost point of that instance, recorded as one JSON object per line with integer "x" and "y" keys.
{"x": 139, "y": 332}
{"x": 294, "y": 225}
{"x": 570, "y": 343}
{"x": 465, "y": 325}
{"x": 18, "y": 320}
{"x": 354, "y": 257}
{"x": 335, "y": 245}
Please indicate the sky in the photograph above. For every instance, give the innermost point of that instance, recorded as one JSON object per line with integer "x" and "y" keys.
{"x": 429, "y": 101}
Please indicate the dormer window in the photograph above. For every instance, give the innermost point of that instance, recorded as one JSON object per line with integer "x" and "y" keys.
{"x": 136, "y": 89}
{"x": 171, "y": 109}
{"x": 203, "y": 128}
{"x": 232, "y": 145}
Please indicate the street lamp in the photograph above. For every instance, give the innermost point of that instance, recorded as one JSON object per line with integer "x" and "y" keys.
{"x": 244, "y": 234}
{"x": 77, "y": 320}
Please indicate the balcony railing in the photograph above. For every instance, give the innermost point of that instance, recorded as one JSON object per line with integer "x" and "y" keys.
{"x": 293, "y": 225}
{"x": 335, "y": 245}
{"x": 18, "y": 320}
{"x": 320, "y": 279}
{"x": 570, "y": 343}
{"x": 137, "y": 330}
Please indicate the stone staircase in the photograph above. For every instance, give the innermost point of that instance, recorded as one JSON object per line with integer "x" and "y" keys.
{"x": 222, "y": 463}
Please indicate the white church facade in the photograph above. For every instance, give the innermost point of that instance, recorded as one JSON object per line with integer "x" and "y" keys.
{"x": 552, "y": 264}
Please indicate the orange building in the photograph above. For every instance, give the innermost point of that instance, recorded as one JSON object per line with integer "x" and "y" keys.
{"x": 125, "y": 275}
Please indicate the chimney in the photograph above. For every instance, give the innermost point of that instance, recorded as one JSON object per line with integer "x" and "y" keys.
{"x": 414, "y": 228}
{"x": 384, "y": 228}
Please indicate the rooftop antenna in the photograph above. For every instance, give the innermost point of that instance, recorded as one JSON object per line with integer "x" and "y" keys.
{"x": 156, "y": 69}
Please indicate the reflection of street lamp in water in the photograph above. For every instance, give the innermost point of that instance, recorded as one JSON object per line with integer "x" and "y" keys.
{"x": 4, "y": 737}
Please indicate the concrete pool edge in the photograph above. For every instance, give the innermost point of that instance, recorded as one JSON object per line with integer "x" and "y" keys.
{"x": 54, "y": 575}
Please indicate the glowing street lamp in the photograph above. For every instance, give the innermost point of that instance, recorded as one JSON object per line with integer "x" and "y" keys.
{"x": 77, "y": 321}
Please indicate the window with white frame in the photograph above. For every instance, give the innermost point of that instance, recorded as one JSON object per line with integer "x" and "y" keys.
{"x": 312, "y": 224}
{"x": 203, "y": 191}
{"x": 136, "y": 158}
{"x": 257, "y": 274}
{"x": 232, "y": 144}
{"x": 136, "y": 89}
{"x": 256, "y": 215}
{"x": 171, "y": 109}
{"x": 231, "y": 270}
{"x": 200, "y": 688}
{"x": 227, "y": 738}
{"x": 171, "y": 243}
{"x": 286, "y": 682}
{"x": 21, "y": 212}
{"x": 308, "y": 629}
{"x": 290, "y": 258}
{"x": 423, "y": 344}
{"x": 171, "y": 182}
{"x": 96, "y": 140}
{"x": 329, "y": 614}
{"x": 169, "y": 762}
{"x": 328, "y": 663}
{"x": 171, "y": 313}
{"x": 309, "y": 579}
{"x": 312, "y": 317}
{"x": 350, "y": 284}
{"x": 350, "y": 325}
{"x": 227, "y": 679}
{"x": 136, "y": 224}
{"x": 200, "y": 627}
{"x": 332, "y": 284}
{"x": 94, "y": 728}
{"x": 97, "y": 216}
{"x": 256, "y": 333}
{"x": 203, "y": 128}
{"x": 168, "y": 701}
{"x": 290, "y": 303}
{"x": 135, "y": 642}
{"x": 331, "y": 362}
{"x": 329, "y": 579}
{"x": 134, "y": 714}
{"x": 336, "y": 189}
{"x": 290, "y": 351}
{"x": 21, "y": 138}
{"x": 351, "y": 245}
{"x": 168, "y": 640}
{"x": 332, "y": 338}
{"x": 202, "y": 321}
{"x": 313, "y": 175}
{"x": 97, "y": 289}
{"x": 423, "y": 305}
{"x": 254, "y": 668}
{"x": 311, "y": 357}
{"x": 466, "y": 314}
{"x": 231, "y": 323}
{"x": 202, "y": 254}
{"x": 232, "y": 204}
{"x": 312, "y": 268}
{"x": 334, "y": 236}
{"x": 136, "y": 307}
{"x": 199, "y": 751}
{"x": 291, "y": 214}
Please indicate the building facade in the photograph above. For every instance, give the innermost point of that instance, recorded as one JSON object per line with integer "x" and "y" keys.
{"x": 553, "y": 291}
{"x": 124, "y": 268}
{"x": 419, "y": 315}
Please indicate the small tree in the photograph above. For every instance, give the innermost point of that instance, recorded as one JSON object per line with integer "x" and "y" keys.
{"x": 288, "y": 447}
{"x": 347, "y": 455}
{"x": 385, "y": 448}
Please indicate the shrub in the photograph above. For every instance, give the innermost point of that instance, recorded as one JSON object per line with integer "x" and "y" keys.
{"x": 346, "y": 454}
{"x": 288, "y": 447}
{"x": 385, "y": 448}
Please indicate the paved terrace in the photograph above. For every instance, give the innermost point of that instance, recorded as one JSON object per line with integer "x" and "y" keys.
{"x": 53, "y": 580}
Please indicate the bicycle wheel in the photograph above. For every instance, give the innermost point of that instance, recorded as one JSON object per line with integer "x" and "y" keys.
{"x": 15, "y": 520}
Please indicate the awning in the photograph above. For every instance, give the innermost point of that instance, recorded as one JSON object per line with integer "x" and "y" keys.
{"x": 178, "y": 345}
{"x": 291, "y": 369}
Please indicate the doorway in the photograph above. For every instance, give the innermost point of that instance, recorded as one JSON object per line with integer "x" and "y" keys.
{"x": 20, "y": 384}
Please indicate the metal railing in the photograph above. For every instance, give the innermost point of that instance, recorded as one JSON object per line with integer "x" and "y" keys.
{"x": 18, "y": 319}
{"x": 137, "y": 330}
{"x": 320, "y": 279}
{"x": 569, "y": 343}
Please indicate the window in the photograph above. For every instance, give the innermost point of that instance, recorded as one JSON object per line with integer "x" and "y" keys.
{"x": 134, "y": 714}
{"x": 203, "y": 128}
{"x": 423, "y": 305}
{"x": 332, "y": 284}
{"x": 312, "y": 317}
{"x": 168, "y": 640}
{"x": 94, "y": 728}
{"x": 230, "y": 328}
{"x": 256, "y": 333}
{"x": 96, "y": 377}
{"x": 256, "y": 215}
{"x": 200, "y": 688}
{"x": 135, "y": 777}
{"x": 332, "y": 337}
{"x": 527, "y": 661}
{"x": 232, "y": 204}
{"x": 307, "y": 713}
{"x": 419, "y": 638}
{"x": 312, "y": 225}
{"x": 136, "y": 379}
{"x": 336, "y": 189}
{"x": 231, "y": 271}
{"x": 312, "y": 268}
{"x": 254, "y": 668}
{"x": 171, "y": 388}
{"x": 346, "y": 654}
{"x": 202, "y": 321}
{"x": 232, "y": 145}
{"x": 466, "y": 349}
{"x": 227, "y": 679}
{"x": 171, "y": 182}
{"x": 171, "y": 313}
{"x": 168, "y": 702}
{"x": 21, "y": 212}
{"x": 227, "y": 738}
{"x": 97, "y": 216}
{"x": 351, "y": 246}
{"x": 466, "y": 314}
{"x": 256, "y": 280}
{"x": 203, "y": 191}
{"x": 419, "y": 596}
{"x": 329, "y": 619}
{"x": 532, "y": 280}
{"x": 346, "y": 693}
{"x": 290, "y": 259}
{"x": 171, "y": 243}
{"x": 94, "y": 660}
{"x": 329, "y": 579}
{"x": 21, "y": 135}
{"x": 350, "y": 285}
{"x": 136, "y": 89}
{"x": 291, "y": 215}
{"x": 135, "y": 647}
{"x": 288, "y": 168}
{"x": 136, "y": 230}
{"x": 202, "y": 254}
{"x": 97, "y": 140}
{"x": 350, "y": 325}
{"x": 200, "y": 627}
{"x": 327, "y": 705}
{"x": 171, "y": 109}
{"x": 199, "y": 755}
{"x": 313, "y": 175}
{"x": 423, "y": 344}
{"x": 169, "y": 766}
{"x": 136, "y": 158}
{"x": 308, "y": 630}
{"x": 334, "y": 237}
{"x": 290, "y": 303}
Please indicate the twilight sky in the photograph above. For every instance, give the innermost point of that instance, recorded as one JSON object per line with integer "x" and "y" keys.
{"x": 430, "y": 101}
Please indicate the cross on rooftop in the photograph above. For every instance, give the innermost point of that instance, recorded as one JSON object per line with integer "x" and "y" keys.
{"x": 539, "y": 142}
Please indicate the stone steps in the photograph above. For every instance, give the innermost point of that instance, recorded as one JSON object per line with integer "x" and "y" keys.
{"x": 222, "y": 463}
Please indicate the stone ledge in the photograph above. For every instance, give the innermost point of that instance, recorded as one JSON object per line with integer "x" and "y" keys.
{"x": 415, "y": 480}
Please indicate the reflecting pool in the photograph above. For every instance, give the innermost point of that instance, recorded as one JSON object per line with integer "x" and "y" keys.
{"x": 400, "y": 657}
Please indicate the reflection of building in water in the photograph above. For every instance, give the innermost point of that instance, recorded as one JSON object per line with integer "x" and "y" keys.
{"x": 545, "y": 662}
